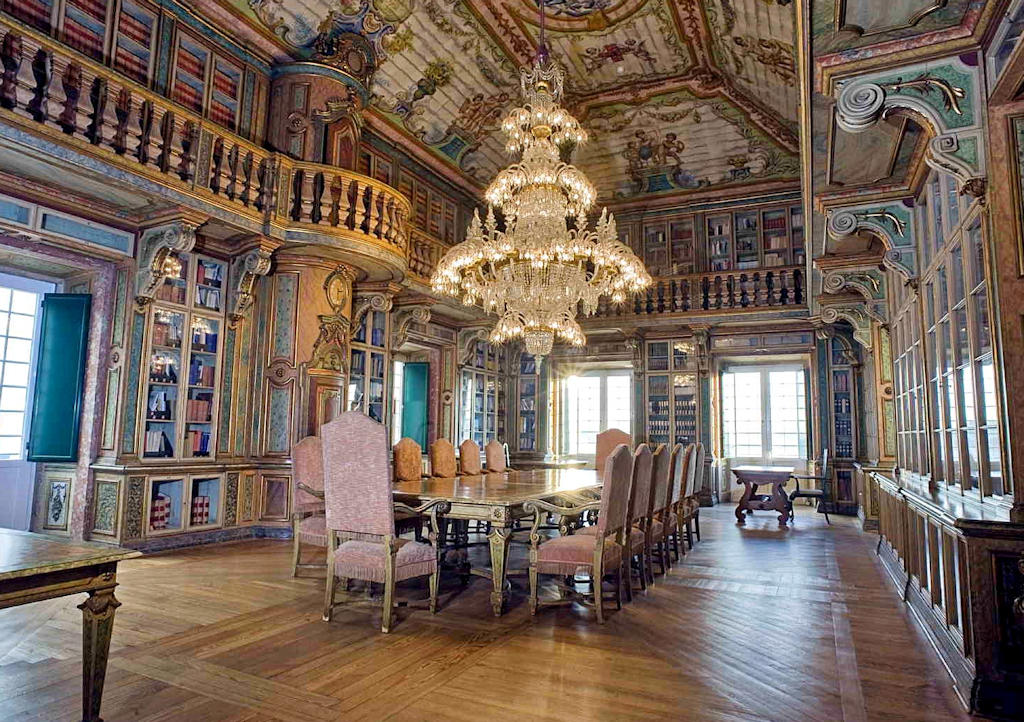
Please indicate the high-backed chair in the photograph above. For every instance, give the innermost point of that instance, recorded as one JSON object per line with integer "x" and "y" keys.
{"x": 607, "y": 442}
{"x": 660, "y": 479}
{"x": 640, "y": 493}
{"x": 442, "y": 459}
{"x": 699, "y": 480}
{"x": 823, "y": 493}
{"x": 681, "y": 460}
{"x": 494, "y": 453}
{"x": 601, "y": 552}
{"x": 469, "y": 458}
{"x": 408, "y": 460}
{"x": 687, "y": 508}
{"x": 308, "y": 523}
{"x": 360, "y": 511}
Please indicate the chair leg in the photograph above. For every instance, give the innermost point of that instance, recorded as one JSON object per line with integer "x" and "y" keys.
{"x": 825, "y": 511}
{"x": 295, "y": 545}
{"x": 533, "y": 590}
{"x": 329, "y": 594}
{"x": 627, "y": 571}
{"x": 618, "y": 588}
{"x": 689, "y": 533}
{"x": 662, "y": 555}
{"x": 435, "y": 579}
{"x": 598, "y": 596}
{"x": 389, "y": 585}
{"x": 643, "y": 569}
{"x": 696, "y": 522}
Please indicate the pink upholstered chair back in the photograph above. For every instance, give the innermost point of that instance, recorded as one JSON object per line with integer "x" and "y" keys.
{"x": 640, "y": 494}
{"x": 357, "y": 480}
{"x": 469, "y": 457}
{"x": 618, "y": 476}
{"x": 607, "y": 442}
{"x": 308, "y": 466}
{"x": 408, "y": 460}
{"x": 662, "y": 468}
{"x": 691, "y": 474}
{"x": 495, "y": 453}
{"x": 681, "y": 458}
{"x": 442, "y": 459}
{"x": 698, "y": 469}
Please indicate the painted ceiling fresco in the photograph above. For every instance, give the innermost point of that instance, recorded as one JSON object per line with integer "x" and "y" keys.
{"x": 679, "y": 95}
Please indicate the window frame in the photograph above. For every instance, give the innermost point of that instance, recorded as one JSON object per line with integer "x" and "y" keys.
{"x": 765, "y": 369}
{"x": 603, "y": 374}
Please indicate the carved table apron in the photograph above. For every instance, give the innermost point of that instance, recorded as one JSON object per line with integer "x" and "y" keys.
{"x": 34, "y": 567}
{"x": 753, "y": 476}
{"x": 498, "y": 498}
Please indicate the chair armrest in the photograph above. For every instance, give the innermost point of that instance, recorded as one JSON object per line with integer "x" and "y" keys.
{"x": 814, "y": 477}
{"x": 432, "y": 508}
{"x": 318, "y": 493}
{"x": 539, "y": 508}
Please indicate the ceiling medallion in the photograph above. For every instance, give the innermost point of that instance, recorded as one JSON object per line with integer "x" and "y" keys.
{"x": 546, "y": 262}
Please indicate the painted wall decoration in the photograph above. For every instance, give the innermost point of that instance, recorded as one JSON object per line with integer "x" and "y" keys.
{"x": 57, "y": 500}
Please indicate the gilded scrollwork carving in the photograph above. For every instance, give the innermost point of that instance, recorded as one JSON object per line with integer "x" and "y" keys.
{"x": 370, "y": 302}
{"x": 890, "y": 222}
{"x": 245, "y": 272}
{"x": 467, "y": 343}
{"x": 159, "y": 256}
{"x": 403, "y": 320}
{"x": 330, "y": 350}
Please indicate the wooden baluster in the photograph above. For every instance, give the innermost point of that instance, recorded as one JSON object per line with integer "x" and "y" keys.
{"x": 10, "y": 56}
{"x": 719, "y": 287}
{"x": 245, "y": 196}
{"x": 123, "y": 111}
{"x": 317, "y": 198}
{"x": 359, "y": 206}
{"x": 41, "y": 73}
{"x": 387, "y": 218}
{"x": 163, "y": 161}
{"x": 230, "y": 190}
{"x": 784, "y": 288}
{"x": 216, "y": 160}
{"x": 769, "y": 288}
{"x": 71, "y": 82}
{"x": 309, "y": 198}
{"x": 373, "y": 222}
{"x": 189, "y": 138}
{"x": 798, "y": 286}
{"x": 337, "y": 193}
{"x": 297, "y": 187}
{"x": 145, "y": 132}
{"x": 264, "y": 182}
{"x": 98, "y": 99}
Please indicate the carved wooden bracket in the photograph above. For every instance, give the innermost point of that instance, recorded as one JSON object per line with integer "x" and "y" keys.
{"x": 403, "y": 319}
{"x": 364, "y": 303}
{"x": 245, "y": 272}
{"x": 158, "y": 258}
{"x": 857, "y": 313}
{"x": 702, "y": 348}
{"x": 636, "y": 345}
{"x": 467, "y": 343}
{"x": 891, "y": 222}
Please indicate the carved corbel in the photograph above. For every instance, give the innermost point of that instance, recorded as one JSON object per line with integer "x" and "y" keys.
{"x": 331, "y": 350}
{"x": 702, "y": 349}
{"x": 159, "y": 257}
{"x": 467, "y": 343}
{"x": 892, "y": 223}
{"x": 858, "y": 315}
{"x": 364, "y": 303}
{"x": 245, "y": 272}
{"x": 403, "y": 319}
{"x": 636, "y": 345}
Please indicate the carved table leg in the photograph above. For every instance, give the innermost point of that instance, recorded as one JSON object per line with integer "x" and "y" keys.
{"x": 97, "y": 624}
{"x": 780, "y": 502}
{"x": 744, "y": 503}
{"x": 499, "y": 538}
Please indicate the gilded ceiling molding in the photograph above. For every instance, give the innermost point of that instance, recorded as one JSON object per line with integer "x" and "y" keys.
{"x": 944, "y": 96}
{"x": 158, "y": 257}
{"x": 403, "y": 319}
{"x": 891, "y": 222}
{"x": 246, "y": 270}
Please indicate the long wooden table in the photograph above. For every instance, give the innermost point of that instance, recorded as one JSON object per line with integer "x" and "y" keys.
{"x": 34, "y": 567}
{"x": 752, "y": 477}
{"x": 498, "y": 498}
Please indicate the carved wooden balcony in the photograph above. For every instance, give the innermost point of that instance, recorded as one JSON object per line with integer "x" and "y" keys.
{"x": 425, "y": 252}
{"x": 755, "y": 290}
{"x": 60, "y": 96}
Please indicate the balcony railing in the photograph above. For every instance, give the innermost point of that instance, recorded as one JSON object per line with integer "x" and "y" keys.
{"x": 76, "y": 102}
{"x": 768, "y": 288}
{"x": 425, "y": 252}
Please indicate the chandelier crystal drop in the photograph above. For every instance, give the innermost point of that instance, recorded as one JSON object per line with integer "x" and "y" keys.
{"x": 545, "y": 262}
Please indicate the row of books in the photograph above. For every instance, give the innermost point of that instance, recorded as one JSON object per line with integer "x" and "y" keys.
{"x": 159, "y": 511}
{"x": 156, "y": 443}
{"x": 208, "y": 297}
{"x": 198, "y": 442}
{"x": 200, "y": 510}
{"x": 199, "y": 410}
{"x": 200, "y": 374}
{"x": 171, "y": 291}
{"x": 161, "y": 405}
{"x": 658, "y": 427}
{"x": 210, "y": 274}
{"x": 163, "y": 369}
{"x": 203, "y": 339}
{"x": 167, "y": 334}
{"x": 657, "y": 407}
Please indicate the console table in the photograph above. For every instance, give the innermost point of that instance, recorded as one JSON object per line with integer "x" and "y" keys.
{"x": 34, "y": 567}
{"x": 753, "y": 476}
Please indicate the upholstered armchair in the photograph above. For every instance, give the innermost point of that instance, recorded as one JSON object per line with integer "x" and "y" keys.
{"x": 408, "y": 460}
{"x": 656, "y": 538}
{"x": 681, "y": 460}
{"x": 469, "y": 458}
{"x": 607, "y": 442}
{"x": 360, "y": 513}
{"x": 308, "y": 523}
{"x": 600, "y": 552}
{"x": 494, "y": 453}
{"x": 442, "y": 459}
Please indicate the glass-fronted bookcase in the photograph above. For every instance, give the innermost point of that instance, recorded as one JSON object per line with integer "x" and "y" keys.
{"x": 671, "y": 396}
{"x": 368, "y": 369}
{"x": 843, "y": 403}
{"x": 483, "y": 393}
{"x": 528, "y": 407}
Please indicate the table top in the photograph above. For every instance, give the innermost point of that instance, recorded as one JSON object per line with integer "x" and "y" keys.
{"x": 24, "y": 554}
{"x": 510, "y": 487}
{"x": 754, "y": 469}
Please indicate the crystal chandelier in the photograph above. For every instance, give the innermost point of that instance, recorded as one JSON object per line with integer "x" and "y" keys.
{"x": 546, "y": 261}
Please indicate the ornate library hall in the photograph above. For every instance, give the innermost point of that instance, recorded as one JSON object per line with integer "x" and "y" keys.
{"x": 511, "y": 359}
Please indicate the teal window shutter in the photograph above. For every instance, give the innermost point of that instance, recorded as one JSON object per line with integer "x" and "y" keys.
{"x": 60, "y": 377}
{"x": 414, "y": 402}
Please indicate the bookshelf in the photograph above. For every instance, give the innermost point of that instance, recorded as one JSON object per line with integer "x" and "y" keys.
{"x": 747, "y": 243}
{"x": 526, "y": 415}
{"x": 671, "y": 393}
{"x": 183, "y": 362}
{"x": 204, "y": 502}
{"x": 166, "y": 499}
{"x": 843, "y": 400}
{"x": 482, "y": 395}
{"x": 719, "y": 240}
{"x": 368, "y": 377}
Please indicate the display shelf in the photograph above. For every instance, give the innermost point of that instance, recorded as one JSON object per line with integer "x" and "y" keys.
{"x": 680, "y": 234}
{"x": 204, "y": 502}
{"x": 719, "y": 240}
{"x": 166, "y": 497}
{"x": 684, "y": 408}
{"x": 796, "y": 226}
{"x": 174, "y": 289}
{"x": 775, "y": 240}
{"x": 529, "y": 387}
{"x": 657, "y": 355}
{"x": 655, "y": 249}
{"x": 369, "y": 367}
{"x": 747, "y": 241}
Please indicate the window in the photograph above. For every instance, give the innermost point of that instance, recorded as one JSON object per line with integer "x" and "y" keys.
{"x": 764, "y": 412}
{"x": 19, "y": 317}
{"x": 594, "y": 402}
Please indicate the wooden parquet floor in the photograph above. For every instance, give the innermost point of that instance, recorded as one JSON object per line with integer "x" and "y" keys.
{"x": 756, "y": 624}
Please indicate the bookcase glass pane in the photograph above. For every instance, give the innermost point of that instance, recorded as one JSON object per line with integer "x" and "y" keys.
{"x": 356, "y": 389}
{"x": 658, "y": 422}
{"x": 165, "y": 504}
{"x": 684, "y": 402}
{"x": 776, "y": 239}
{"x": 657, "y": 356}
{"x": 375, "y": 399}
{"x": 209, "y": 285}
{"x": 163, "y": 374}
{"x": 528, "y": 412}
{"x": 174, "y": 289}
{"x": 204, "y": 503}
{"x": 378, "y": 329}
{"x": 205, "y": 338}
{"x": 719, "y": 239}
{"x": 747, "y": 240}
{"x": 681, "y": 237}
